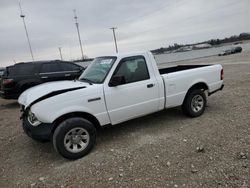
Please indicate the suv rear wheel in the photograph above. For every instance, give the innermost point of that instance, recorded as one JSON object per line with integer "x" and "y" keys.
{"x": 74, "y": 138}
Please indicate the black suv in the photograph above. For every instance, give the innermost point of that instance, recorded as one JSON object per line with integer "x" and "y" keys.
{"x": 21, "y": 76}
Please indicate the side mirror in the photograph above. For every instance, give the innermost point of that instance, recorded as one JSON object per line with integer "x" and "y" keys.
{"x": 117, "y": 80}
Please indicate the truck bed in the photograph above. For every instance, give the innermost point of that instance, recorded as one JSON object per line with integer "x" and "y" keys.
{"x": 179, "y": 68}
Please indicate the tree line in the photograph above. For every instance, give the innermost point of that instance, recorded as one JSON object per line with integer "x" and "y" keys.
{"x": 213, "y": 42}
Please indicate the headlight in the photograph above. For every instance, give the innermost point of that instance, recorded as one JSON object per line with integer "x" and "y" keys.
{"x": 33, "y": 120}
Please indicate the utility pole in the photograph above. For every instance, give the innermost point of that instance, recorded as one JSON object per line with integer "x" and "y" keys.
{"x": 26, "y": 31}
{"x": 60, "y": 51}
{"x": 79, "y": 36}
{"x": 113, "y": 29}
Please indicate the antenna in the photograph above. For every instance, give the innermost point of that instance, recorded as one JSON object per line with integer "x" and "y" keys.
{"x": 78, "y": 32}
{"x": 26, "y": 31}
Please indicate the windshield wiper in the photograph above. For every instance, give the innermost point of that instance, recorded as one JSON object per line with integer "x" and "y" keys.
{"x": 86, "y": 80}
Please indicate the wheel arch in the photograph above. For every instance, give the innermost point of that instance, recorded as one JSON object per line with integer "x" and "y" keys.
{"x": 84, "y": 115}
{"x": 199, "y": 85}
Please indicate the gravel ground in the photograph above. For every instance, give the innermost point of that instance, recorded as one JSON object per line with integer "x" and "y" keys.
{"x": 166, "y": 149}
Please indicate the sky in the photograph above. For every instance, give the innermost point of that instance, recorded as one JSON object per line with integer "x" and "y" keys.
{"x": 142, "y": 25}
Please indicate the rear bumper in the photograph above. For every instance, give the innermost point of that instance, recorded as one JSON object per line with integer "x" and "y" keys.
{"x": 41, "y": 132}
{"x": 8, "y": 94}
{"x": 221, "y": 88}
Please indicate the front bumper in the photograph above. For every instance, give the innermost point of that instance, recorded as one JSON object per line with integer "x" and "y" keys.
{"x": 40, "y": 132}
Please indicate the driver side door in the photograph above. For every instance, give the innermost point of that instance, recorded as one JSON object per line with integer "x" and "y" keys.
{"x": 137, "y": 96}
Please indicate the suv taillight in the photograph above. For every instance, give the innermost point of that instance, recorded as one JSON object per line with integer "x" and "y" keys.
{"x": 221, "y": 74}
{"x": 7, "y": 81}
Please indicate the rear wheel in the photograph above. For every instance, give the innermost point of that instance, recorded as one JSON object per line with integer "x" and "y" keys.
{"x": 74, "y": 138}
{"x": 194, "y": 103}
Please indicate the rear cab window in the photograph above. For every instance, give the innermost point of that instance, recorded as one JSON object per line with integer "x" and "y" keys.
{"x": 20, "y": 70}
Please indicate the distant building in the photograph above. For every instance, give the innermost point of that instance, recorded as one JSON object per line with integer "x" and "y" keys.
{"x": 184, "y": 49}
{"x": 202, "y": 46}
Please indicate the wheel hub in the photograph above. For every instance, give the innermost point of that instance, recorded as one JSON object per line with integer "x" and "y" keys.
{"x": 76, "y": 140}
{"x": 197, "y": 103}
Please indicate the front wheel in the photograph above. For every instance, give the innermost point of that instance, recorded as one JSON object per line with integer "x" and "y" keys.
{"x": 74, "y": 138}
{"x": 194, "y": 103}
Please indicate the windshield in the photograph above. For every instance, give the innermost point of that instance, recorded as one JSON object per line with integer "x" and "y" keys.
{"x": 97, "y": 71}
{"x": 1, "y": 72}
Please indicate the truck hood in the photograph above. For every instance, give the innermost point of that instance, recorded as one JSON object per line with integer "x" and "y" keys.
{"x": 49, "y": 89}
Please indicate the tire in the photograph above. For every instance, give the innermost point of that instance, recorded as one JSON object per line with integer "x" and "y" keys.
{"x": 194, "y": 103}
{"x": 74, "y": 138}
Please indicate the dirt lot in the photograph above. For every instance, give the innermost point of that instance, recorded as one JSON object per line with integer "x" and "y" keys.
{"x": 159, "y": 150}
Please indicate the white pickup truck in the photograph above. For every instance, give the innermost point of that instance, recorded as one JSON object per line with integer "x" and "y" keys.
{"x": 113, "y": 89}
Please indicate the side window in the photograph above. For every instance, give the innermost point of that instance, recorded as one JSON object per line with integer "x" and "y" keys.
{"x": 133, "y": 69}
{"x": 69, "y": 67}
{"x": 21, "y": 69}
{"x": 50, "y": 67}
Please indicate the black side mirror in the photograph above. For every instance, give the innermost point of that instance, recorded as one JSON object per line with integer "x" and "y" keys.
{"x": 117, "y": 80}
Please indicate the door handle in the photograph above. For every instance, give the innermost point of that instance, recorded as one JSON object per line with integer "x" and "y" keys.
{"x": 67, "y": 75}
{"x": 150, "y": 85}
{"x": 44, "y": 77}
